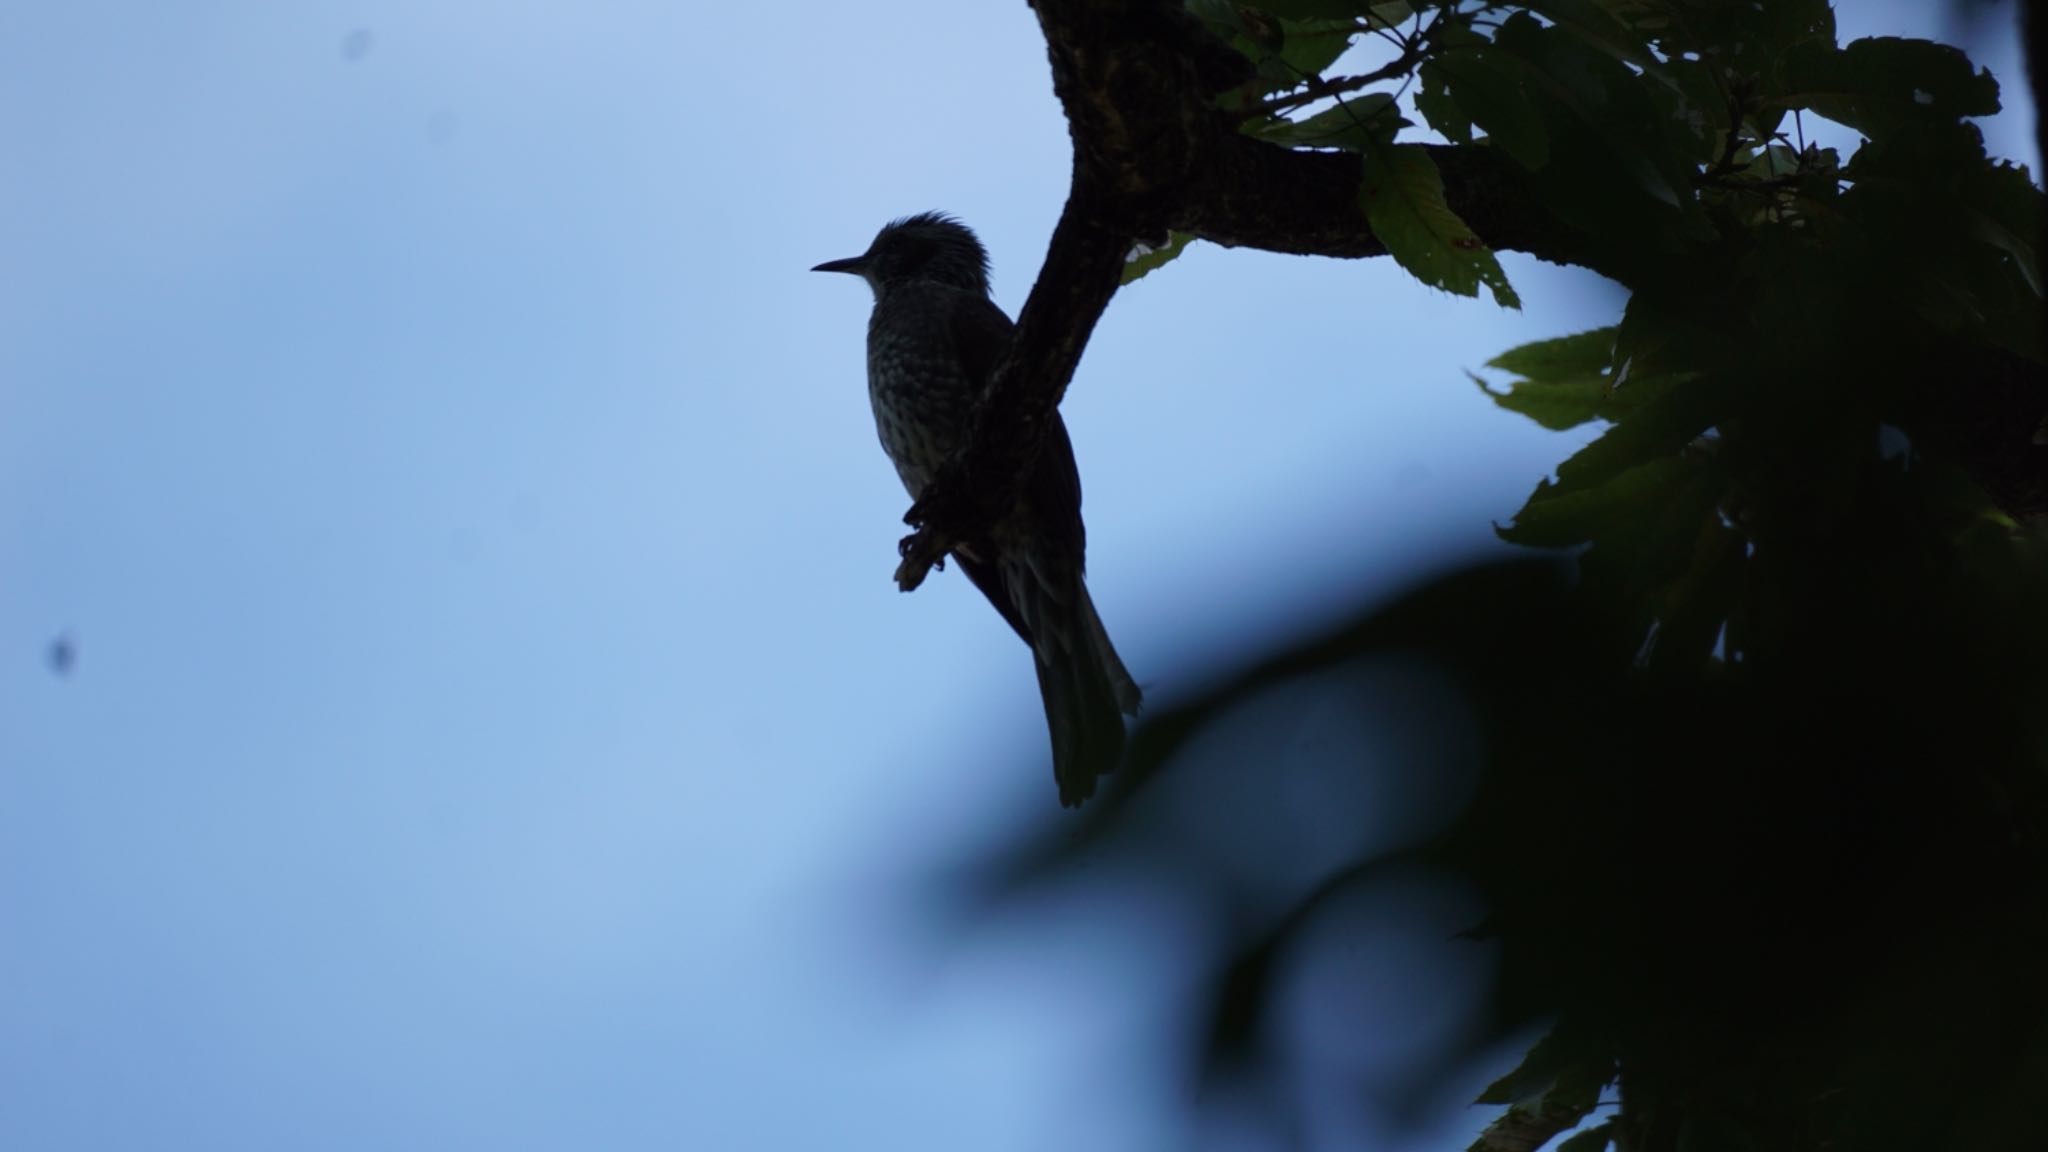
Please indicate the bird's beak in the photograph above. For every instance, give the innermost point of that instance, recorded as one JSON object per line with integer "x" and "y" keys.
{"x": 858, "y": 265}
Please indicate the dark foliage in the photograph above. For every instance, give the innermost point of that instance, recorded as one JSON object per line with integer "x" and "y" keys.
{"x": 1762, "y": 807}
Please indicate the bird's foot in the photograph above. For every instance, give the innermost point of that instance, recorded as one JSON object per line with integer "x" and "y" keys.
{"x": 921, "y": 551}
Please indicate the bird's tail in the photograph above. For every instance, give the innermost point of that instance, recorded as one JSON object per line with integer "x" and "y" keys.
{"x": 1087, "y": 694}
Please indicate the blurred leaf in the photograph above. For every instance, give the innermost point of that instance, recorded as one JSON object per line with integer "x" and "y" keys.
{"x": 1403, "y": 196}
{"x": 1237, "y": 1011}
{"x": 1796, "y": 683}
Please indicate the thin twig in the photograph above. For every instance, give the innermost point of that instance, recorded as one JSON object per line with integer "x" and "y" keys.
{"x": 1413, "y": 49}
{"x": 1319, "y": 88}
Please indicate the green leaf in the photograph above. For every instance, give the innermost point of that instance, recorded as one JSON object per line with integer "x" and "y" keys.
{"x": 1671, "y": 420}
{"x": 1389, "y": 13}
{"x": 1563, "y": 514}
{"x": 1309, "y": 46}
{"x": 1488, "y": 88}
{"x": 1566, "y": 402}
{"x": 1565, "y": 382}
{"x": 1589, "y": 352}
{"x": 1434, "y": 100}
{"x": 1598, "y": 28}
{"x": 1287, "y": 52}
{"x": 1403, "y": 196}
{"x": 1144, "y": 258}
{"x": 1874, "y": 84}
{"x": 1600, "y": 99}
{"x": 1556, "y": 404}
{"x": 1353, "y": 125}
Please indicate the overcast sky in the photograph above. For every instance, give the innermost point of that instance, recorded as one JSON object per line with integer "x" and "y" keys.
{"x": 452, "y": 693}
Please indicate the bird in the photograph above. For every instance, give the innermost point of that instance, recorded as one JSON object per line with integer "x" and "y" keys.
{"x": 934, "y": 339}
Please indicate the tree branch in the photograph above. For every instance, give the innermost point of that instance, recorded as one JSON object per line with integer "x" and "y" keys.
{"x": 1251, "y": 194}
{"x": 1152, "y": 154}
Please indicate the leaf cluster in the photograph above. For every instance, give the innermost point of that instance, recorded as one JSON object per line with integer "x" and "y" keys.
{"x": 1785, "y": 727}
{"x": 1790, "y": 308}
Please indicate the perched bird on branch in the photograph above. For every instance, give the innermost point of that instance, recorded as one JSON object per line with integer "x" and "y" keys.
{"x": 934, "y": 340}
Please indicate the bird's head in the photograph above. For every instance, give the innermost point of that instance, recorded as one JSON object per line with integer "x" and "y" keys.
{"x": 928, "y": 246}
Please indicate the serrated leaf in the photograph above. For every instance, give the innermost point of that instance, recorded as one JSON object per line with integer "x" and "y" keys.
{"x": 1874, "y": 83}
{"x": 1658, "y": 429}
{"x": 1403, "y": 196}
{"x": 1143, "y": 258}
{"x": 1557, "y": 404}
{"x": 1586, "y": 352}
{"x": 1570, "y": 380}
{"x": 1353, "y": 125}
{"x": 1565, "y": 381}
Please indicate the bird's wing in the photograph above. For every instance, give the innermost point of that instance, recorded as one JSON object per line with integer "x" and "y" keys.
{"x": 981, "y": 334}
{"x": 1052, "y": 493}
{"x": 987, "y": 575}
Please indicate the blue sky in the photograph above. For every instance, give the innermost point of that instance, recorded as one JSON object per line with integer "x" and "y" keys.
{"x": 493, "y": 723}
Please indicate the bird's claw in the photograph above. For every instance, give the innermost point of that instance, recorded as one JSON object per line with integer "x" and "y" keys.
{"x": 909, "y": 544}
{"x": 921, "y": 551}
